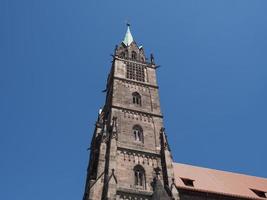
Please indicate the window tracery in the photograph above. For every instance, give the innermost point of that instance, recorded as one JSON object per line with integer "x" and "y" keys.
{"x": 134, "y": 55}
{"x": 139, "y": 175}
{"x": 138, "y": 133}
{"x": 137, "y": 98}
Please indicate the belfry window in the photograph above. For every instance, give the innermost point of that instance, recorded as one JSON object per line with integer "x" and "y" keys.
{"x": 136, "y": 98}
{"x": 138, "y": 133}
{"x": 139, "y": 176}
{"x": 135, "y": 71}
{"x": 134, "y": 55}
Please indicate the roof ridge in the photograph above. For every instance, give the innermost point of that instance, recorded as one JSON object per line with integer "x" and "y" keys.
{"x": 219, "y": 170}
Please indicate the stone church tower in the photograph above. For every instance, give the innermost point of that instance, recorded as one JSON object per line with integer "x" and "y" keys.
{"x": 130, "y": 157}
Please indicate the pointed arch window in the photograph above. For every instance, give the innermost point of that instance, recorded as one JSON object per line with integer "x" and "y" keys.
{"x": 138, "y": 133}
{"x": 139, "y": 176}
{"x": 122, "y": 55}
{"x": 134, "y": 55}
{"x": 136, "y": 98}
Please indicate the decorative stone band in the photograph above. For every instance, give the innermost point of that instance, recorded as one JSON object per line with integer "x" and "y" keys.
{"x": 139, "y": 157}
{"x": 136, "y": 112}
{"x": 126, "y": 193}
{"x": 136, "y": 82}
{"x": 146, "y": 64}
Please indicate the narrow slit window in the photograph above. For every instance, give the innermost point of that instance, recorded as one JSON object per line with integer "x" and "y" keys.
{"x": 138, "y": 133}
{"x": 122, "y": 55}
{"x": 134, "y": 55}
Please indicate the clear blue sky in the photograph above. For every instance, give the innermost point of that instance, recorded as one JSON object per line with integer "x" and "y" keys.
{"x": 55, "y": 57}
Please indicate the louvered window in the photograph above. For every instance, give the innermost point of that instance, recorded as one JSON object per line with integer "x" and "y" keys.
{"x": 135, "y": 72}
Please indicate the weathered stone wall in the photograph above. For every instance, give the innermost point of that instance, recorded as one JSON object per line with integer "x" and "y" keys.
{"x": 150, "y": 125}
{"x": 148, "y": 116}
{"x": 122, "y": 152}
{"x": 122, "y": 96}
{"x": 127, "y": 160}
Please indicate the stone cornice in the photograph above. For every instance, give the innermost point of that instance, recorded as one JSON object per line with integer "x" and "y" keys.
{"x": 134, "y": 191}
{"x": 136, "y": 82}
{"x": 137, "y": 151}
{"x": 146, "y": 64}
{"x": 137, "y": 111}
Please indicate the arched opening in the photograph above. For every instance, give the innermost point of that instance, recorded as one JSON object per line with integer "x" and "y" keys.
{"x": 138, "y": 133}
{"x": 139, "y": 176}
{"x": 134, "y": 55}
{"x": 136, "y": 98}
{"x": 122, "y": 55}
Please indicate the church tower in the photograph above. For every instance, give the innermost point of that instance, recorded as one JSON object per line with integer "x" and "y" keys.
{"x": 129, "y": 153}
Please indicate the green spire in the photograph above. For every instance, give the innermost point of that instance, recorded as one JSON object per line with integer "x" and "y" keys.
{"x": 128, "y": 39}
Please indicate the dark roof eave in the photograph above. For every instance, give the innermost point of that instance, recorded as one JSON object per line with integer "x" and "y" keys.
{"x": 219, "y": 193}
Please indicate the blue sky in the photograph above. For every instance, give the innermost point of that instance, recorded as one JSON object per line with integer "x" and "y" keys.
{"x": 55, "y": 57}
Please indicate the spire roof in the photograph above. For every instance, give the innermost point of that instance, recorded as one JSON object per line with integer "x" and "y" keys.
{"x": 128, "y": 38}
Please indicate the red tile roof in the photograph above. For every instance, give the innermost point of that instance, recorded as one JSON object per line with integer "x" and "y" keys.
{"x": 220, "y": 182}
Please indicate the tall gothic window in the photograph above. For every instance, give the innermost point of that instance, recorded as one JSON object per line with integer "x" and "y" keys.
{"x": 138, "y": 133}
{"x": 122, "y": 55}
{"x": 136, "y": 98}
{"x": 134, "y": 55}
{"x": 139, "y": 176}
